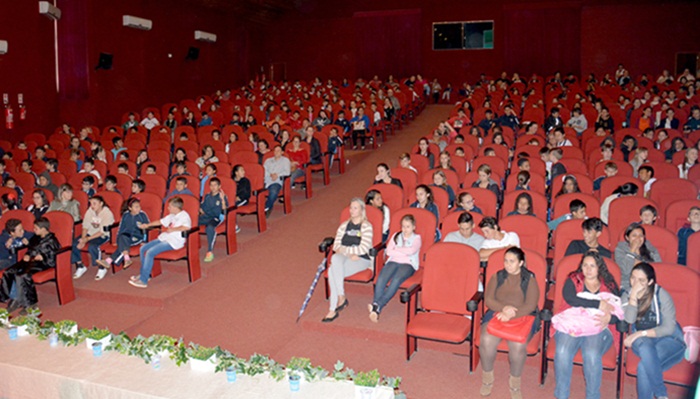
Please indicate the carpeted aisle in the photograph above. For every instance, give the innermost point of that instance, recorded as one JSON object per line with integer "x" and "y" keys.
{"x": 248, "y": 302}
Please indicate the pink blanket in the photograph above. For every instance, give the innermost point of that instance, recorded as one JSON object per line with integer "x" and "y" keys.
{"x": 581, "y": 322}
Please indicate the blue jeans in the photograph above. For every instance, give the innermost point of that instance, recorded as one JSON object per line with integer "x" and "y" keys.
{"x": 656, "y": 356}
{"x": 148, "y": 253}
{"x": 592, "y": 350}
{"x": 296, "y": 174}
{"x": 124, "y": 242}
{"x": 273, "y": 191}
{"x": 93, "y": 247}
{"x": 211, "y": 225}
{"x": 393, "y": 274}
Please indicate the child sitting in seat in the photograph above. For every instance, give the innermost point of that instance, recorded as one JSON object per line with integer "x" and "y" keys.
{"x": 129, "y": 235}
{"x": 212, "y": 213}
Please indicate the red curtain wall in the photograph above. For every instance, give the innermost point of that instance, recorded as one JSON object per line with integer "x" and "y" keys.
{"x": 388, "y": 42}
{"x": 543, "y": 39}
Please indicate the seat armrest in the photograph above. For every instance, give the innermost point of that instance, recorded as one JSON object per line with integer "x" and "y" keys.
{"x": 191, "y": 230}
{"x": 63, "y": 249}
{"x": 546, "y": 315}
{"x": 258, "y": 192}
{"x": 622, "y": 326}
{"x": 473, "y": 304}
{"x": 412, "y": 290}
{"x": 326, "y": 245}
{"x": 375, "y": 250}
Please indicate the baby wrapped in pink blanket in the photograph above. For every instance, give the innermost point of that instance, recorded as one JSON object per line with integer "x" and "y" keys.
{"x": 582, "y": 322}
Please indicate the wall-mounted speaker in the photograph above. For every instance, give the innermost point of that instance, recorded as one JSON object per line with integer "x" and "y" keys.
{"x": 105, "y": 61}
{"x": 192, "y": 53}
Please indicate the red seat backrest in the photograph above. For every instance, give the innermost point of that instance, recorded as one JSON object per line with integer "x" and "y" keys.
{"x": 570, "y": 230}
{"x": 676, "y": 214}
{"x": 624, "y": 211}
{"x": 533, "y": 232}
{"x": 451, "y": 277}
{"x": 561, "y": 204}
{"x": 392, "y": 195}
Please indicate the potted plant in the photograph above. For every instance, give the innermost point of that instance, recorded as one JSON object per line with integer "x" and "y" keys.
{"x": 94, "y": 335}
{"x": 28, "y": 323}
{"x": 296, "y": 369}
{"x": 4, "y": 317}
{"x": 340, "y": 373}
{"x": 201, "y": 358}
{"x": 366, "y": 383}
{"x": 230, "y": 363}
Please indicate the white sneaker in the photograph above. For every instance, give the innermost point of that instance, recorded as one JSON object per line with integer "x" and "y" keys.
{"x": 238, "y": 229}
{"x": 79, "y": 271}
{"x": 101, "y": 273}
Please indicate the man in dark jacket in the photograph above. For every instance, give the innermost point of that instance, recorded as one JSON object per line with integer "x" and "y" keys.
{"x": 17, "y": 285}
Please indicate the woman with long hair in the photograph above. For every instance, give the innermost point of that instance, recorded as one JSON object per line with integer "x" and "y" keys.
{"x": 353, "y": 240}
{"x": 690, "y": 160}
{"x": 633, "y": 250}
{"x": 402, "y": 261}
{"x": 656, "y": 338}
{"x": 374, "y": 198}
{"x": 40, "y": 204}
{"x": 569, "y": 185}
{"x": 510, "y": 294}
{"x": 591, "y": 277}
{"x": 424, "y": 150}
{"x": 523, "y": 205}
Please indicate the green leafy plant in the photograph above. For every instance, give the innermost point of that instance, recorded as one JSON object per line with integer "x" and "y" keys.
{"x": 340, "y": 373}
{"x": 94, "y": 333}
{"x": 122, "y": 343}
{"x": 195, "y": 351}
{"x": 257, "y": 364}
{"x": 302, "y": 366}
{"x": 367, "y": 378}
{"x": 226, "y": 359}
{"x": 30, "y": 320}
{"x": 4, "y": 317}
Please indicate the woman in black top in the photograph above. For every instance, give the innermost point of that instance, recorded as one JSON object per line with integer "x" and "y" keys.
{"x": 40, "y": 204}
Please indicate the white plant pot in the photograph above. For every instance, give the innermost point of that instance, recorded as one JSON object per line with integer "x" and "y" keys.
{"x": 105, "y": 342}
{"x": 203, "y": 366}
{"x": 22, "y": 331}
{"x": 72, "y": 331}
{"x": 364, "y": 392}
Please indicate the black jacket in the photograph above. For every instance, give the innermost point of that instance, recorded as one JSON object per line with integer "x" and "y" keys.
{"x": 47, "y": 247}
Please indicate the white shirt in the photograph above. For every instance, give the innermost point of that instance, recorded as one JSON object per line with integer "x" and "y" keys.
{"x": 175, "y": 238}
{"x": 647, "y": 185}
{"x": 508, "y": 240}
{"x": 150, "y": 123}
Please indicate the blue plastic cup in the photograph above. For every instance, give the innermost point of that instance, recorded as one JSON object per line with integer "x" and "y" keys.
{"x": 97, "y": 349}
{"x": 155, "y": 362}
{"x": 294, "y": 383}
{"x": 231, "y": 374}
{"x": 13, "y": 333}
{"x": 53, "y": 339}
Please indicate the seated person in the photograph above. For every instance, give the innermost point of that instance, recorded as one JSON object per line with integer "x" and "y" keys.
{"x": 298, "y": 158}
{"x": 39, "y": 206}
{"x": 212, "y": 212}
{"x": 12, "y": 239}
{"x": 495, "y": 238}
{"x": 465, "y": 234}
{"x": 17, "y": 284}
{"x": 625, "y": 190}
{"x": 656, "y": 337}
{"x": 89, "y": 167}
{"x": 129, "y": 235}
{"x": 646, "y": 175}
{"x": 466, "y": 202}
{"x": 690, "y": 228}
{"x": 374, "y": 198}
{"x": 96, "y": 224}
{"x": 633, "y": 250}
{"x": 592, "y": 229}
{"x": 65, "y": 202}
{"x": 351, "y": 247}
{"x": 523, "y": 205}
{"x": 511, "y": 294}
{"x": 402, "y": 252}
{"x": 171, "y": 238}
{"x": 440, "y": 180}
{"x": 485, "y": 181}
{"x": 209, "y": 172}
{"x": 179, "y": 189}
{"x": 276, "y": 168}
{"x": 111, "y": 184}
{"x": 591, "y": 277}
{"x": 208, "y": 156}
{"x": 577, "y": 210}
{"x": 424, "y": 200}
{"x": 89, "y": 186}
{"x": 242, "y": 185}
{"x": 523, "y": 181}
{"x": 555, "y": 155}
{"x": 46, "y": 183}
{"x": 610, "y": 171}
{"x": 648, "y": 215}
{"x": 384, "y": 176}
{"x": 405, "y": 162}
